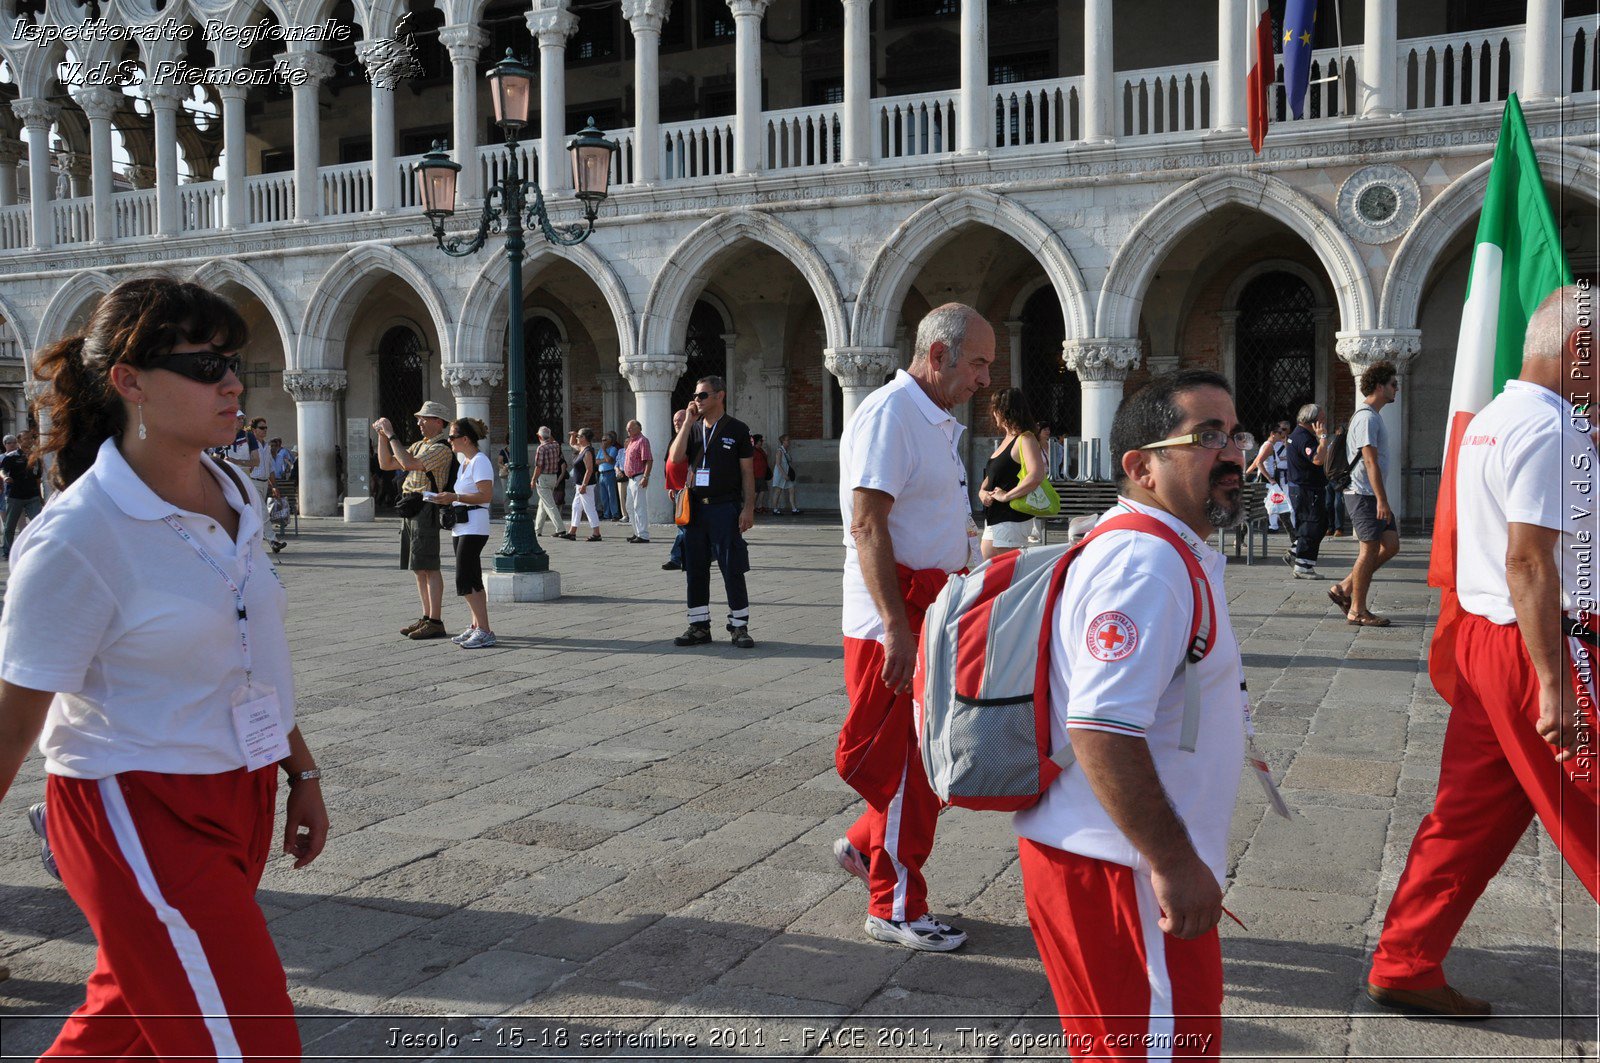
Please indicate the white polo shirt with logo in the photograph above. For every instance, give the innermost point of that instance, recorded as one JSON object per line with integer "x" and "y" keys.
{"x": 1117, "y": 651}
{"x": 902, "y": 443}
{"x": 1523, "y": 460}
{"x": 135, "y": 632}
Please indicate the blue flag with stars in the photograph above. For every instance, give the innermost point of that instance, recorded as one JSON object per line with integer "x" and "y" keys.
{"x": 1299, "y": 28}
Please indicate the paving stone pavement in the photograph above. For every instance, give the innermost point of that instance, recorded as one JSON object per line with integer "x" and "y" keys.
{"x": 587, "y": 835}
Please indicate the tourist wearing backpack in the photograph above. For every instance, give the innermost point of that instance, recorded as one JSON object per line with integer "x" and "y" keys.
{"x": 1367, "y": 499}
{"x": 1124, "y": 855}
{"x": 1338, "y": 472}
{"x": 907, "y": 525}
{"x": 1307, "y": 484}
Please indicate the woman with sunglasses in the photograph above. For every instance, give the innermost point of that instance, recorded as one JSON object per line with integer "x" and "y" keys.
{"x": 144, "y": 636}
{"x": 474, "y": 490}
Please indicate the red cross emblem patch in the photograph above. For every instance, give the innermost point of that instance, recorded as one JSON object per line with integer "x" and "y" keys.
{"x": 1112, "y": 636}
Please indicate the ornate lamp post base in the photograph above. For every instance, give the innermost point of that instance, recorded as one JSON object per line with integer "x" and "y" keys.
{"x": 543, "y": 586}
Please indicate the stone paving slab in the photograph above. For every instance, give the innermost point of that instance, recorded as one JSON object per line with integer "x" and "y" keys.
{"x": 586, "y": 842}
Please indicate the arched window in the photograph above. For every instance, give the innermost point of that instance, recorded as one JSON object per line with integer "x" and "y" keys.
{"x": 1052, "y": 389}
{"x": 544, "y": 366}
{"x": 401, "y": 363}
{"x": 707, "y": 351}
{"x": 1275, "y": 351}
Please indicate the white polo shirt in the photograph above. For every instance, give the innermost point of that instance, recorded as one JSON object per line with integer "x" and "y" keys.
{"x": 902, "y": 443}
{"x": 1121, "y": 633}
{"x": 139, "y": 637}
{"x": 1523, "y": 460}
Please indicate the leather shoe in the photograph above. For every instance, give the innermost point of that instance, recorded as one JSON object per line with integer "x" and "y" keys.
{"x": 1445, "y": 1001}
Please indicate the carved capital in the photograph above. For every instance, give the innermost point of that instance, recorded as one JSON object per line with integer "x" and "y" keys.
{"x": 314, "y": 385}
{"x": 318, "y": 67}
{"x": 1362, "y": 348}
{"x": 35, "y": 391}
{"x": 1101, "y": 358}
{"x": 748, "y": 8}
{"x": 657, "y": 372}
{"x": 861, "y": 367}
{"x": 473, "y": 380}
{"x": 141, "y": 176}
{"x": 35, "y": 113}
{"x": 233, "y": 91}
{"x": 99, "y": 103}
{"x": 463, "y": 40}
{"x": 166, "y": 96}
{"x": 646, "y": 15}
{"x": 551, "y": 23}
{"x": 775, "y": 378}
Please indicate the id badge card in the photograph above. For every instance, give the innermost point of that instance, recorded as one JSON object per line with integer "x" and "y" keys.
{"x": 258, "y": 724}
{"x": 702, "y": 477}
{"x": 974, "y": 544}
{"x": 1258, "y": 764}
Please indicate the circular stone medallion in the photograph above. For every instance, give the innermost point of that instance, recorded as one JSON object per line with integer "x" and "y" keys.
{"x": 1377, "y": 204}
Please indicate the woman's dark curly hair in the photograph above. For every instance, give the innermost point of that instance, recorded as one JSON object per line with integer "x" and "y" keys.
{"x": 1011, "y": 406}
{"x": 136, "y": 323}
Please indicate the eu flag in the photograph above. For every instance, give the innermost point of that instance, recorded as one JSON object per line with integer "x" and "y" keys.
{"x": 1299, "y": 27}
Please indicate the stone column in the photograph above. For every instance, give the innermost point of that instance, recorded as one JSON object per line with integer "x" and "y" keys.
{"x": 975, "y": 124}
{"x": 38, "y": 116}
{"x": 77, "y": 168}
{"x": 777, "y": 384}
{"x": 1102, "y": 364}
{"x": 1227, "y": 91}
{"x": 610, "y": 405}
{"x": 233, "y": 154}
{"x": 1014, "y": 341}
{"x": 1359, "y": 349}
{"x": 1379, "y": 95}
{"x": 465, "y": 41}
{"x": 1322, "y": 319}
{"x": 749, "y": 138}
{"x": 552, "y": 24}
{"x": 307, "y": 131}
{"x": 473, "y": 384}
{"x": 1541, "y": 61}
{"x": 1099, "y": 80}
{"x": 857, "y": 81}
{"x": 316, "y": 396}
{"x": 860, "y": 371}
{"x": 1228, "y": 349}
{"x": 382, "y": 114}
{"x": 652, "y": 379}
{"x": 165, "y": 100}
{"x": 10, "y": 156}
{"x": 645, "y": 18}
{"x": 99, "y": 104}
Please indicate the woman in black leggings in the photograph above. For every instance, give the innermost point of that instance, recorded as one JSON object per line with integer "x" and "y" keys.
{"x": 474, "y": 490}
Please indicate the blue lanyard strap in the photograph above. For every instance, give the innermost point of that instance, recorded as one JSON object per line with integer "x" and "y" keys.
{"x": 706, "y": 435}
{"x": 238, "y": 592}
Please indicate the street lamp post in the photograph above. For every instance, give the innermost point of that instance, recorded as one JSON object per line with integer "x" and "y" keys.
{"x": 514, "y": 203}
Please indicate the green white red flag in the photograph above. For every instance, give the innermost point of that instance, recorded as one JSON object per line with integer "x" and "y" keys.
{"x": 1261, "y": 71}
{"x": 1517, "y": 260}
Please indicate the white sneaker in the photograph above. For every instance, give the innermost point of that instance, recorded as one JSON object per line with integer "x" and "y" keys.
{"x": 851, "y": 859}
{"x": 925, "y": 935}
{"x": 479, "y": 640}
{"x": 464, "y": 636}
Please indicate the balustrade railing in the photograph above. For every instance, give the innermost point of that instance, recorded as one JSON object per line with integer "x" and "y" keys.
{"x": 16, "y": 232}
{"x": 1165, "y": 100}
{"x": 271, "y": 198}
{"x": 920, "y": 124}
{"x": 1581, "y": 53}
{"x": 493, "y": 162}
{"x": 203, "y": 205}
{"x": 804, "y": 136}
{"x": 1335, "y": 87}
{"x": 73, "y": 219}
{"x": 1455, "y": 69}
{"x": 623, "y": 171}
{"x": 10, "y": 350}
{"x": 346, "y": 189}
{"x": 407, "y": 196}
{"x": 135, "y": 211}
{"x": 1037, "y": 112}
{"x": 701, "y": 148}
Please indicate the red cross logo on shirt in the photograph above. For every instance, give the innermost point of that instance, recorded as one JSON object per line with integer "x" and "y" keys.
{"x": 1111, "y": 636}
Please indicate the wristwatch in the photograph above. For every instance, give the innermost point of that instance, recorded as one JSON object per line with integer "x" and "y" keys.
{"x": 304, "y": 776}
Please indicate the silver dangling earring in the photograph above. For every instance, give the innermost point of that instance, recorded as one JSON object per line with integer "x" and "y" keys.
{"x": 142, "y": 432}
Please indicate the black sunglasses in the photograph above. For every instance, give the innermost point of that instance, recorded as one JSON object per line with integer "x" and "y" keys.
{"x": 702, "y": 395}
{"x": 457, "y": 435}
{"x": 205, "y": 367}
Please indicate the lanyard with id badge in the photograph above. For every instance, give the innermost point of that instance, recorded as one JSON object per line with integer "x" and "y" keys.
{"x": 702, "y": 475}
{"x": 257, "y": 719}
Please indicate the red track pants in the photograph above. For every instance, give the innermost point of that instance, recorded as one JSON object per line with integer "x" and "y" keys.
{"x": 896, "y": 830}
{"x": 1496, "y": 773}
{"x": 1124, "y": 987}
{"x": 166, "y": 867}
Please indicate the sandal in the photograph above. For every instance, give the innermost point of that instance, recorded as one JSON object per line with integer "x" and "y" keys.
{"x": 593, "y": 538}
{"x": 1339, "y": 598}
{"x": 1370, "y": 620}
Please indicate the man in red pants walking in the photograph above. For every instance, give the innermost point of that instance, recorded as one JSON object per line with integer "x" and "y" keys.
{"x": 908, "y": 525}
{"x": 1520, "y": 737}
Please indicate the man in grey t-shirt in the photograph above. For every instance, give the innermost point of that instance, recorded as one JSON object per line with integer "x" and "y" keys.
{"x": 1367, "y": 499}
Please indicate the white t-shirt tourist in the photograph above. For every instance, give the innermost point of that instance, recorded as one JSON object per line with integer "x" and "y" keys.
{"x": 468, "y": 473}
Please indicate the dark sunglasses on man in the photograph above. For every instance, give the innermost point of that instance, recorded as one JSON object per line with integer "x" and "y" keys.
{"x": 205, "y": 367}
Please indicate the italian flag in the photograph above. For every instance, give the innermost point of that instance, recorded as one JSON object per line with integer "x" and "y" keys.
{"x": 1260, "y": 71}
{"x": 1516, "y": 261}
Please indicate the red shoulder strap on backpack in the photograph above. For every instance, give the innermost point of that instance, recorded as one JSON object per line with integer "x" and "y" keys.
{"x": 1203, "y": 619}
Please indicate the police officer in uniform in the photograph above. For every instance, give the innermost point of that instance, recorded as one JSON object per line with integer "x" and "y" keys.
{"x": 722, "y": 491}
